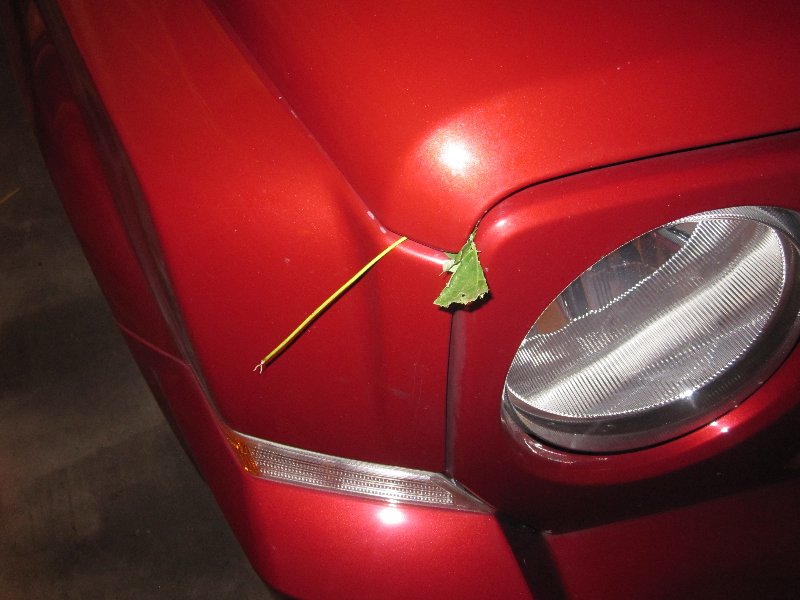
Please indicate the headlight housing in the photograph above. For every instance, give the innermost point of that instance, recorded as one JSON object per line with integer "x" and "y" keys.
{"x": 663, "y": 335}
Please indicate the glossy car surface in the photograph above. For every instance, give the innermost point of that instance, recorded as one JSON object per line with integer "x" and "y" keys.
{"x": 227, "y": 165}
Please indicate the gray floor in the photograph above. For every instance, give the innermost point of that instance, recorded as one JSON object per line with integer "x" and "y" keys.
{"x": 97, "y": 500}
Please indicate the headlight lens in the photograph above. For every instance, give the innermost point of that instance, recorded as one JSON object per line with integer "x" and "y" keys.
{"x": 663, "y": 335}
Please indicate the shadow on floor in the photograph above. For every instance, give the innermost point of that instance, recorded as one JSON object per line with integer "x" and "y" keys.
{"x": 97, "y": 499}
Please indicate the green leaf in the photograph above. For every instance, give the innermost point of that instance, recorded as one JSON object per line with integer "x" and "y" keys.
{"x": 449, "y": 266}
{"x": 467, "y": 282}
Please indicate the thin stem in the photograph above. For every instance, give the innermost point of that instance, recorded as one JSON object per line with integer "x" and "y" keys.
{"x": 330, "y": 300}
{"x": 9, "y": 195}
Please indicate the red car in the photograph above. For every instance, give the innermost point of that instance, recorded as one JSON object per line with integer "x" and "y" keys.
{"x": 616, "y": 417}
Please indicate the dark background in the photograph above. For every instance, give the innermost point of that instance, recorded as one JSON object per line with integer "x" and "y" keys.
{"x": 97, "y": 498}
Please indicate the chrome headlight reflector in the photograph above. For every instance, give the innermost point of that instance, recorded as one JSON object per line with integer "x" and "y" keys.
{"x": 663, "y": 335}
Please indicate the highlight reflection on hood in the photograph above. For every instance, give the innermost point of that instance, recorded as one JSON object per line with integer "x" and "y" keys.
{"x": 455, "y": 156}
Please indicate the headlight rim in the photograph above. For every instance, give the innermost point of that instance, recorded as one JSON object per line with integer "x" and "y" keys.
{"x": 614, "y": 434}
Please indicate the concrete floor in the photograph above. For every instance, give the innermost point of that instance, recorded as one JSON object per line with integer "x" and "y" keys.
{"x": 97, "y": 499}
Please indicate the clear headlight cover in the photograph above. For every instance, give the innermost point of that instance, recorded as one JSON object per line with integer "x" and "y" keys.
{"x": 663, "y": 335}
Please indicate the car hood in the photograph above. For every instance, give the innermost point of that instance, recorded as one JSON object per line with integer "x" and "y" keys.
{"x": 437, "y": 111}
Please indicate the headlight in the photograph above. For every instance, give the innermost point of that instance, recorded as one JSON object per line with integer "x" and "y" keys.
{"x": 663, "y": 335}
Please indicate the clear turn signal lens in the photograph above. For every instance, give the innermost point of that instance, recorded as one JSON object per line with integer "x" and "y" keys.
{"x": 396, "y": 485}
{"x": 663, "y": 335}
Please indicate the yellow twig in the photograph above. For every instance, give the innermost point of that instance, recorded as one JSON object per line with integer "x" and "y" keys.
{"x": 8, "y": 196}
{"x": 330, "y": 300}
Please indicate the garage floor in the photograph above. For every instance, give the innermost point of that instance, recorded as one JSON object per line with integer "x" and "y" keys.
{"x": 97, "y": 499}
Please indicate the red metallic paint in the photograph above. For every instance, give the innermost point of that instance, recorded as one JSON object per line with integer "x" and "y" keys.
{"x": 533, "y": 245}
{"x": 184, "y": 162}
{"x": 77, "y": 170}
{"x": 313, "y": 544}
{"x": 690, "y": 552}
{"x": 266, "y": 220}
{"x": 522, "y": 91}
